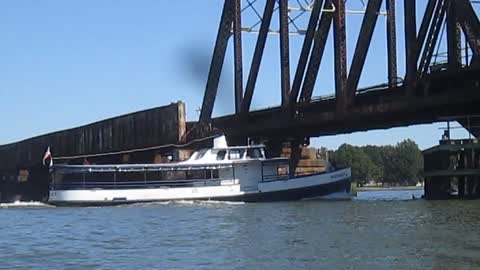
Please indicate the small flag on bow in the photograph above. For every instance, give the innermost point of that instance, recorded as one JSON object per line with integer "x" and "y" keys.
{"x": 47, "y": 156}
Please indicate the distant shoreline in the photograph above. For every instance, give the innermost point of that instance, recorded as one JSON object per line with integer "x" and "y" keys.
{"x": 388, "y": 188}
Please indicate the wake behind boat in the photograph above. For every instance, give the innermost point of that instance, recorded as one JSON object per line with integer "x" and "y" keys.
{"x": 222, "y": 173}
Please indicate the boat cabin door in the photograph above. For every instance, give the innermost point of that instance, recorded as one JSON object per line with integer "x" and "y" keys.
{"x": 249, "y": 174}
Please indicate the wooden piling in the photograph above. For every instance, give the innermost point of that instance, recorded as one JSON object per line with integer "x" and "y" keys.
{"x": 452, "y": 170}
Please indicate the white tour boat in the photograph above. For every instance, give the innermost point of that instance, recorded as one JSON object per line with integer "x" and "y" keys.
{"x": 221, "y": 173}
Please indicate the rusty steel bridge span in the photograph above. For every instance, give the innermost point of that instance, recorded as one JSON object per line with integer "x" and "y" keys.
{"x": 429, "y": 90}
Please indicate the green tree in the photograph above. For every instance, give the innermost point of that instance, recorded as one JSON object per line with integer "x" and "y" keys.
{"x": 401, "y": 164}
{"x": 375, "y": 153}
{"x": 394, "y": 165}
{"x": 408, "y": 162}
{"x": 389, "y": 165}
{"x": 363, "y": 169}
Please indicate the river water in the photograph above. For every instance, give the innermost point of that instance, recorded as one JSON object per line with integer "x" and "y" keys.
{"x": 377, "y": 230}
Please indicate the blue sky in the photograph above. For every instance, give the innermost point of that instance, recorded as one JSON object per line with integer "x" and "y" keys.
{"x": 69, "y": 63}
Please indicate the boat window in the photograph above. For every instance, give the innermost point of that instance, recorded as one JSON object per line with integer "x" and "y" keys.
{"x": 215, "y": 174}
{"x": 201, "y": 153}
{"x": 236, "y": 154}
{"x": 254, "y": 153}
{"x": 283, "y": 170}
{"x": 130, "y": 176}
{"x": 221, "y": 155}
{"x": 196, "y": 174}
{"x": 155, "y": 175}
{"x": 71, "y": 177}
{"x": 176, "y": 175}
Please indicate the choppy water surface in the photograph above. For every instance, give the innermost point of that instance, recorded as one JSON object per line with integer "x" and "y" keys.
{"x": 378, "y": 230}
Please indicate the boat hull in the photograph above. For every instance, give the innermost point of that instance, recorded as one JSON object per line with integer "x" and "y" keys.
{"x": 301, "y": 193}
{"x": 300, "y": 188}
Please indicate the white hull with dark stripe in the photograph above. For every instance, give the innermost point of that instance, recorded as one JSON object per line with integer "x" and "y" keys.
{"x": 239, "y": 173}
{"x": 297, "y": 188}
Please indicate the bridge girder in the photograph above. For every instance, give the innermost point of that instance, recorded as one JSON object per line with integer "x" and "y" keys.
{"x": 450, "y": 95}
{"x": 458, "y": 15}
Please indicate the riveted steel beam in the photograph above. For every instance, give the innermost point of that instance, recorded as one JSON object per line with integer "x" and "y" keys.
{"x": 319, "y": 43}
{"x": 305, "y": 53}
{"x": 432, "y": 37}
{"x": 471, "y": 26}
{"x": 224, "y": 32}
{"x": 237, "y": 50}
{"x": 361, "y": 49}
{"x": 284, "y": 53}
{"x": 391, "y": 43}
{"x": 410, "y": 45}
{"x": 424, "y": 26}
{"x": 453, "y": 38}
{"x": 340, "y": 45}
{"x": 257, "y": 55}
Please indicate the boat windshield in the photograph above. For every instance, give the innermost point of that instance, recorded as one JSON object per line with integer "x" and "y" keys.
{"x": 236, "y": 154}
{"x": 221, "y": 154}
{"x": 201, "y": 153}
{"x": 254, "y": 153}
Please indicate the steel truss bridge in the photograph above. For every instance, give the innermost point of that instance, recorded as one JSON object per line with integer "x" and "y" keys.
{"x": 429, "y": 91}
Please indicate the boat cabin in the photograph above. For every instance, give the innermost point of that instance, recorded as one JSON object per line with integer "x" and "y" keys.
{"x": 220, "y": 173}
{"x": 227, "y": 155}
{"x": 220, "y": 165}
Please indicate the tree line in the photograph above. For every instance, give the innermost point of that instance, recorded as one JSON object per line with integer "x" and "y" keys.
{"x": 399, "y": 165}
